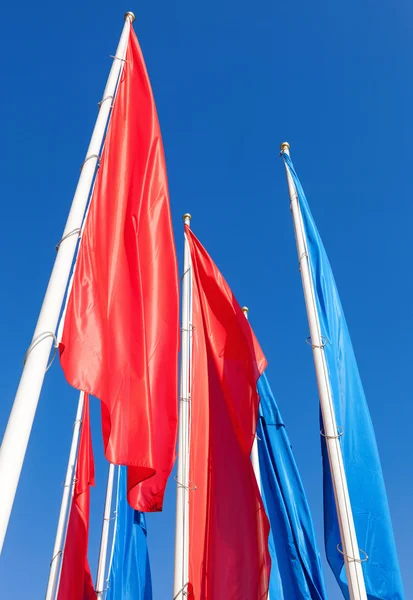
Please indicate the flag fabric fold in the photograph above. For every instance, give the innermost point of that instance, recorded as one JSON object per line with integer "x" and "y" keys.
{"x": 296, "y": 570}
{"x": 129, "y": 574}
{"x": 121, "y": 331}
{"x": 358, "y": 444}
{"x": 228, "y": 528}
{"x": 75, "y": 579}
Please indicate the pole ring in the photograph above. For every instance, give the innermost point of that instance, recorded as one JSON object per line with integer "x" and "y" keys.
{"x": 185, "y": 272}
{"x": 190, "y": 488}
{"x": 118, "y": 58}
{"x": 340, "y": 432}
{"x": 88, "y": 158}
{"x": 323, "y": 342}
{"x": 183, "y": 591}
{"x": 58, "y": 553}
{"x": 185, "y": 399}
{"x": 351, "y": 558}
{"x": 73, "y": 232}
{"x": 39, "y": 338}
{"x": 104, "y": 100}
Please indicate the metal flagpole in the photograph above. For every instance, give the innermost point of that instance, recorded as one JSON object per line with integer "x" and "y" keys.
{"x": 182, "y": 489}
{"x": 100, "y": 578}
{"x": 350, "y": 548}
{"x": 65, "y": 505}
{"x": 254, "y": 452}
{"x": 16, "y": 436}
{"x": 255, "y": 459}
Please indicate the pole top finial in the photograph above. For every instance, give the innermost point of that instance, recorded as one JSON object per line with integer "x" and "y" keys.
{"x": 285, "y": 146}
{"x": 245, "y": 310}
{"x": 186, "y": 217}
{"x": 130, "y": 15}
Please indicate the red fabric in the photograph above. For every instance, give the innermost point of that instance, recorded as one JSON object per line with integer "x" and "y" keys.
{"x": 228, "y": 528}
{"x": 75, "y": 579}
{"x": 121, "y": 332}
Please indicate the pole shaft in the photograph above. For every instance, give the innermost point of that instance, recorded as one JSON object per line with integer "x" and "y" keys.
{"x": 182, "y": 492}
{"x": 16, "y": 436}
{"x": 349, "y": 543}
{"x": 65, "y": 505}
{"x": 100, "y": 578}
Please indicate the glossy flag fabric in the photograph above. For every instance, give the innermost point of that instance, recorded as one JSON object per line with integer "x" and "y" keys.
{"x": 296, "y": 570}
{"x": 129, "y": 574}
{"x": 358, "y": 444}
{"x": 121, "y": 331}
{"x": 228, "y": 528}
{"x": 75, "y": 578}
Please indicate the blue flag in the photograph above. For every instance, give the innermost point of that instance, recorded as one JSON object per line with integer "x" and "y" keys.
{"x": 358, "y": 444}
{"x": 296, "y": 568}
{"x": 130, "y": 575}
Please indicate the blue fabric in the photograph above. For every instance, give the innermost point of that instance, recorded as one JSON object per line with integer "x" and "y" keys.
{"x": 358, "y": 444}
{"x": 130, "y": 576}
{"x": 296, "y": 567}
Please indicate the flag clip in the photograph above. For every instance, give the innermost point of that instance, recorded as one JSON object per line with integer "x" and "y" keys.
{"x": 351, "y": 558}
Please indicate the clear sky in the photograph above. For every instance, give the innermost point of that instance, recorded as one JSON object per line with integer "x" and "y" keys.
{"x": 232, "y": 79}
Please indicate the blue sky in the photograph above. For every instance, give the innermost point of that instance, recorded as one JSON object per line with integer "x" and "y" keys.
{"x": 232, "y": 80}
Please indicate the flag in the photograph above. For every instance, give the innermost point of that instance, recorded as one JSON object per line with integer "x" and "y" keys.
{"x": 228, "y": 528}
{"x": 75, "y": 579}
{"x": 129, "y": 573}
{"x": 121, "y": 331}
{"x": 358, "y": 444}
{"x": 295, "y": 561}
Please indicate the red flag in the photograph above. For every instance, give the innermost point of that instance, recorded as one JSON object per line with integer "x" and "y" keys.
{"x": 228, "y": 553}
{"x": 75, "y": 579}
{"x": 121, "y": 333}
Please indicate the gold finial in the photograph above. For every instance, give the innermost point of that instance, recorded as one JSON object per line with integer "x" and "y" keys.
{"x": 131, "y": 16}
{"x": 245, "y": 310}
{"x": 186, "y": 217}
{"x": 284, "y": 146}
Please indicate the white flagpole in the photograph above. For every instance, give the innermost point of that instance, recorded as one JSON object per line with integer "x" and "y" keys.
{"x": 254, "y": 452}
{"x": 182, "y": 489}
{"x": 255, "y": 459}
{"x": 100, "y": 579}
{"x": 16, "y": 436}
{"x": 65, "y": 505}
{"x": 350, "y": 548}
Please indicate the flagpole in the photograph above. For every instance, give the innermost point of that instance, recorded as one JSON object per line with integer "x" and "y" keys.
{"x": 182, "y": 488}
{"x": 350, "y": 548}
{"x": 254, "y": 452}
{"x": 255, "y": 459}
{"x": 100, "y": 578}
{"x": 65, "y": 505}
{"x": 16, "y": 436}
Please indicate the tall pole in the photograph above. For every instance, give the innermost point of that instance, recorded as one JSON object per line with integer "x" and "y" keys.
{"x": 254, "y": 452}
{"x": 16, "y": 436}
{"x": 255, "y": 459}
{"x": 182, "y": 488}
{"x": 65, "y": 505}
{"x": 350, "y": 548}
{"x": 100, "y": 578}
